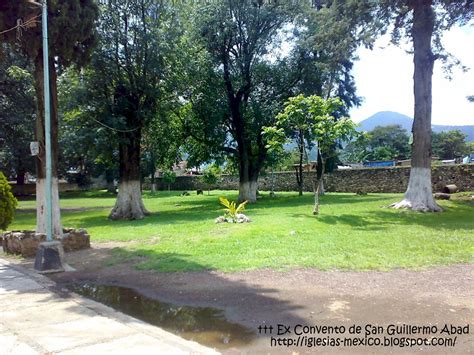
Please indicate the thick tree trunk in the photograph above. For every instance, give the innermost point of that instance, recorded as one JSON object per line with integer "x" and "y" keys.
{"x": 248, "y": 178}
{"x": 419, "y": 195}
{"x": 41, "y": 158}
{"x": 250, "y": 161}
{"x": 248, "y": 191}
{"x": 129, "y": 204}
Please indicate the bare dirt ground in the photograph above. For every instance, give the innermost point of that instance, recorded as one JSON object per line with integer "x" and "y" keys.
{"x": 437, "y": 296}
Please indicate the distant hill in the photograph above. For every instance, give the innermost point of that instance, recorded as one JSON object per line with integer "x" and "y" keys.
{"x": 387, "y": 118}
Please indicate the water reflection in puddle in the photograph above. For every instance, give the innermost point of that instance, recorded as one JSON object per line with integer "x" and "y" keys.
{"x": 204, "y": 325}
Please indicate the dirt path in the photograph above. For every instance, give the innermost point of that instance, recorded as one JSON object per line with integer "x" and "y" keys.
{"x": 438, "y": 296}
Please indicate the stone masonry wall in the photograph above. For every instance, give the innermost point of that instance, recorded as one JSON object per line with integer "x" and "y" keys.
{"x": 25, "y": 243}
{"x": 394, "y": 179}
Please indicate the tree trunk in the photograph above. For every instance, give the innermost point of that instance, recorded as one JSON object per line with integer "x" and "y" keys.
{"x": 41, "y": 158}
{"x": 272, "y": 192}
{"x": 248, "y": 177}
{"x": 153, "y": 172}
{"x": 299, "y": 179}
{"x": 109, "y": 179}
{"x": 249, "y": 160}
{"x": 20, "y": 177}
{"x": 322, "y": 191}
{"x": 317, "y": 184}
{"x": 419, "y": 195}
{"x": 129, "y": 204}
{"x": 316, "y": 197}
{"x": 153, "y": 181}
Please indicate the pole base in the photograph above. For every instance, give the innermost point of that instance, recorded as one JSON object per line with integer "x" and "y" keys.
{"x": 49, "y": 257}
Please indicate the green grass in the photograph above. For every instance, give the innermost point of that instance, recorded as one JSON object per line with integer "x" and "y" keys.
{"x": 352, "y": 232}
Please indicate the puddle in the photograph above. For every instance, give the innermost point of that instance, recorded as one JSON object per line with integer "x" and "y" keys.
{"x": 207, "y": 326}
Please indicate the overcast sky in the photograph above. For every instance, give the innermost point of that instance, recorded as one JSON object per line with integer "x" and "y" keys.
{"x": 384, "y": 78}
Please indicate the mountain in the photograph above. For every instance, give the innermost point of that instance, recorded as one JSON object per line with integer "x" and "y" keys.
{"x": 387, "y": 118}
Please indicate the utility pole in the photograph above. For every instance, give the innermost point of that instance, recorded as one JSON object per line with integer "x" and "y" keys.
{"x": 50, "y": 254}
{"x": 47, "y": 125}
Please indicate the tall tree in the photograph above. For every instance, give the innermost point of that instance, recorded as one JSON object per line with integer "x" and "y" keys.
{"x": 423, "y": 21}
{"x": 298, "y": 127}
{"x": 314, "y": 117}
{"x": 71, "y": 37}
{"x": 328, "y": 34}
{"x": 238, "y": 35}
{"x": 135, "y": 68}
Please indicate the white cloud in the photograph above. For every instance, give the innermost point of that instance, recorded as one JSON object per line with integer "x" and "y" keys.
{"x": 384, "y": 77}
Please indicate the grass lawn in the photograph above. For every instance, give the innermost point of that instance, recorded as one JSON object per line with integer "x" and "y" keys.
{"x": 351, "y": 232}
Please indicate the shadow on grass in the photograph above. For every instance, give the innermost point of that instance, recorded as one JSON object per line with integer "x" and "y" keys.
{"x": 195, "y": 209}
{"x": 384, "y": 218}
{"x": 180, "y": 216}
{"x": 286, "y": 199}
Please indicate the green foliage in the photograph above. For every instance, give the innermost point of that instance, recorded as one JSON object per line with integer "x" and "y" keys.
{"x": 449, "y": 145}
{"x": 71, "y": 29}
{"x": 210, "y": 175}
{"x": 17, "y": 115}
{"x": 315, "y": 118}
{"x": 8, "y": 203}
{"x": 470, "y": 147}
{"x": 398, "y": 16}
{"x": 169, "y": 176}
{"x": 237, "y": 90}
{"x": 382, "y": 143}
{"x": 329, "y": 33}
{"x": 231, "y": 208}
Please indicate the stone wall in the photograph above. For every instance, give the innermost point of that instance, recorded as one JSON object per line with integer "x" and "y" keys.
{"x": 393, "y": 179}
{"x": 25, "y": 243}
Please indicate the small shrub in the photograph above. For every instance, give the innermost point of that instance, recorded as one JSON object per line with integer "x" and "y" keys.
{"x": 210, "y": 177}
{"x": 169, "y": 177}
{"x": 233, "y": 213}
{"x": 8, "y": 203}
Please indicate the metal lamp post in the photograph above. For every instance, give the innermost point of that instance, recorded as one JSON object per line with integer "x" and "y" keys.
{"x": 50, "y": 254}
{"x": 47, "y": 125}
{"x": 47, "y": 119}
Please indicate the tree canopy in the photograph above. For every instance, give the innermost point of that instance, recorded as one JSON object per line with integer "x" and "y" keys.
{"x": 450, "y": 144}
{"x": 382, "y": 143}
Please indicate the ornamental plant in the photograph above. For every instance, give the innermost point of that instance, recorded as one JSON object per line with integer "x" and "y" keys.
{"x": 232, "y": 211}
{"x": 8, "y": 203}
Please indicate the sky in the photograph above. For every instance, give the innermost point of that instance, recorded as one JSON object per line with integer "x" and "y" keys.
{"x": 384, "y": 78}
